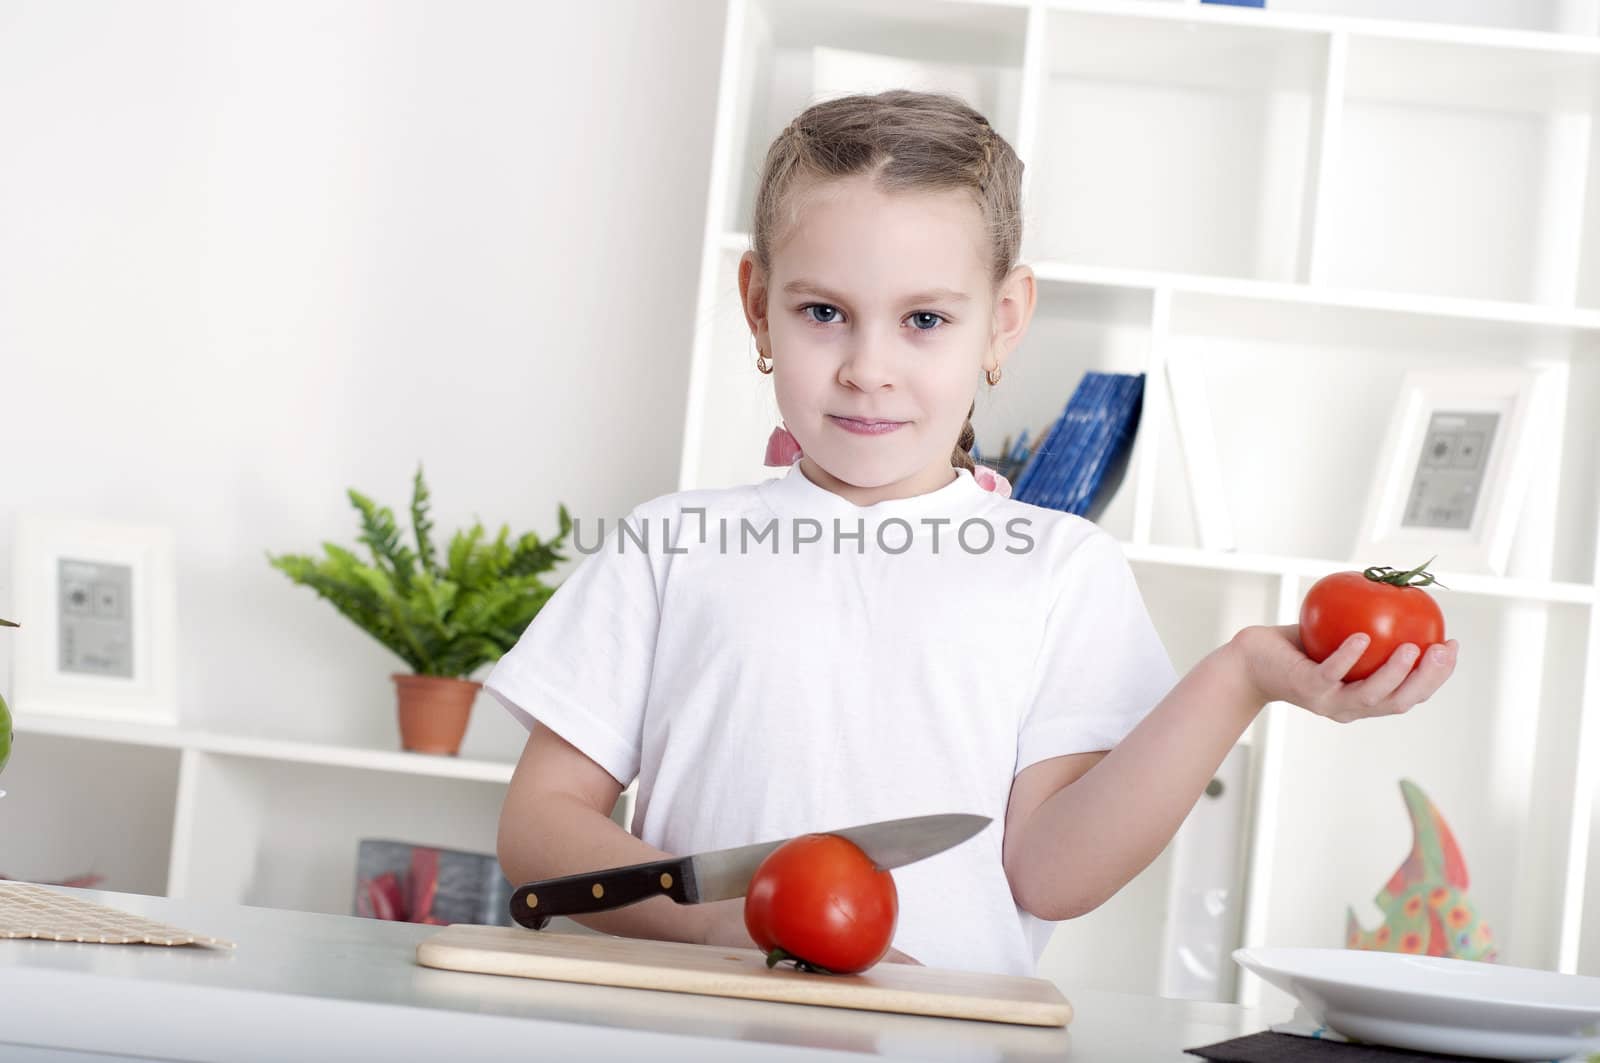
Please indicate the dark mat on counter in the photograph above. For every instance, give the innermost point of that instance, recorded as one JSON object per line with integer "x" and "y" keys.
{"x": 1271, "y": 1047}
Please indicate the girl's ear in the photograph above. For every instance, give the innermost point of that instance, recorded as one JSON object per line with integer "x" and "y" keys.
{"x": 1013, "y": 311}
{"x": 753, "y": 294}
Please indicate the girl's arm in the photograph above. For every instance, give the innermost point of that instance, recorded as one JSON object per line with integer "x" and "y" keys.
{"x": 556, "y": 821}
{"x": 1088, "y": 838}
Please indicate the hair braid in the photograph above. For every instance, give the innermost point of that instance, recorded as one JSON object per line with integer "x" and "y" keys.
{"x": 986, "y": 165}
{"x": 961, "y": 457}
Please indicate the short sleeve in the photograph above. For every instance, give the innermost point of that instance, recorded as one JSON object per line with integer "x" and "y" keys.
{"x": 1101, "y": 666}
{"x": 582, "y": 666}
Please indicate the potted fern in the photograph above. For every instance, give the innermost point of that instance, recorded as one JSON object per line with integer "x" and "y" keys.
{"x": 444, "y": 620}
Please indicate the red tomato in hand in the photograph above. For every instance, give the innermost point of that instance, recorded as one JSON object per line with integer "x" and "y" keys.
{"x": 1389, "y": 606}
{"x": 822, "y": 901}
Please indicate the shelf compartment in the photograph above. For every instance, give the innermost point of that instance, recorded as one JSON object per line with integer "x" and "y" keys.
{"x": 1458, "y": 171}
{"x": 1311, "y": 389}
{"x": 74, "y": 807}
{"x": 1589, "y": 260}
{"x": 1492, "y": 750}
{"x": 1314, "y": 568}
{"x": 1211, "y": 172}
{"x": 252, "y": 829}
{"x": 1075, "y": 329}
{"x": 278, "y": 834}
{"x": 973, "y": 50}
{"x": 1197, "y": 610}
{"x": 1557, "y": 25}
{"x": 1545, "y": 16}
{"x": 1586, "y": 937}
{"x": 284, "y": 749}
{"x": 1050, "y": 271}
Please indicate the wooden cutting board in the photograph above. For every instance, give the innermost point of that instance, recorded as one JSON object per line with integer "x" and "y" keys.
{"x": 680, "y": 967}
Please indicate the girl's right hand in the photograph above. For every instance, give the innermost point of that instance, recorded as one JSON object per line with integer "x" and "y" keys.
{"x": 725, "y": 928}
{"x": 1275, "y": 662}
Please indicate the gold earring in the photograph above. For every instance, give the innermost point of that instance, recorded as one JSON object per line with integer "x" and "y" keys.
{"x": 763, "y": 363}
{"x": 992, "y": 377}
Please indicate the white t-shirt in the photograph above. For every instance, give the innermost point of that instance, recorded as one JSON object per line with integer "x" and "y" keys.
{"x": 763, "y": 680}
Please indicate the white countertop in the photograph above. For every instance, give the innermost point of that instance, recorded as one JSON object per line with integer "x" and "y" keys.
{"x": 307, "y": 986}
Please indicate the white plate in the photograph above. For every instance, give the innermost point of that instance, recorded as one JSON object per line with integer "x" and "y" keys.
{"x": 1433, "y": 1004}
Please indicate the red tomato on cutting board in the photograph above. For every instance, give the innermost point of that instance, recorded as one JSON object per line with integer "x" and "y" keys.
{"x": 822, "y": 901}
{"x": 1390, "y": 607}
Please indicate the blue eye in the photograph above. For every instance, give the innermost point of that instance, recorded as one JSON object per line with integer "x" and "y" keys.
{"x": 824, "y": 314}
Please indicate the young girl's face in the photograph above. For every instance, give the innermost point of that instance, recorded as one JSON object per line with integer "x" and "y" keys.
{"x": 879, "y": 308}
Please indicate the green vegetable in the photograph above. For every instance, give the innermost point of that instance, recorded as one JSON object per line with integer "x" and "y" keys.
{"x": 442, "y": 620}
{"x": 5, "y": 719}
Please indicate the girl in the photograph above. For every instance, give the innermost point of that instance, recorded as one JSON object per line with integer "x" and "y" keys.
{"x": 874, "y": 634}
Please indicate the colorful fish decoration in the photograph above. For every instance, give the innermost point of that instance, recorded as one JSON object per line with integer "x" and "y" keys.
{"x": 1425, "y": 905}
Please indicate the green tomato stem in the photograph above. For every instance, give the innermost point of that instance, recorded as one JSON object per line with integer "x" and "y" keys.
{"x": 779, "y": 955}
{"x": 1417, "y": 577}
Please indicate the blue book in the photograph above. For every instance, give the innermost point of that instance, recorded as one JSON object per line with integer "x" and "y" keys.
{"x": 1115, "y": 465}
{"x": 1046, "y": 466}
{"x": 1083, "y": 438}
{"x": 1019, "y": 448}
{"x": 1090, "y": 455}
{"x": 1106, "y": 467}
{"x": 1033, "y": 474}
{"x": 1084, "y": 444}
{"x": 1075, "y": 499}
{"x": 1086, "y": 412}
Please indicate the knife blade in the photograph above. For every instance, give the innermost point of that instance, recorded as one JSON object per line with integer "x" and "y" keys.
{"x": 725, "y": 873}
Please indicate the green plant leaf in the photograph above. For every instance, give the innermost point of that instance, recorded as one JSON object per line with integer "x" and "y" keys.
{"x": 333, "y": 581}
{"x": 468, "y": 654}
{"x": 420, "y": 525}
{"x": 497, "y": 555}
{"x": 462, "y": 546}
{"x": 404, "y": 621}
{"x": 448, "y": 621}
{"x": 379, "y": 532}
{"x": 532, "y": 556}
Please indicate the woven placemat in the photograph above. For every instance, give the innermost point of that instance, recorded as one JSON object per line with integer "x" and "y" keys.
{"x": 28, "y": 911}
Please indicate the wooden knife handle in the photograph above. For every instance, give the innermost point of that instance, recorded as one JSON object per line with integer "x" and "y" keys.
{"x": 534, "y": 903}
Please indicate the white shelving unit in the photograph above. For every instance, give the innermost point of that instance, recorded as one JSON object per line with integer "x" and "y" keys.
{"x": 1305, "y": 202}
{"x": 272, "y": 822}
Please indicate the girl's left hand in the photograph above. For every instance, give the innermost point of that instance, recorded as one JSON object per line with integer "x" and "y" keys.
{"x": 1277, "y": 666}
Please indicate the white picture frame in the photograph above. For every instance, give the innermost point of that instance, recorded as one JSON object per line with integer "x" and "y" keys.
{"x": 106, "y": 648}
{"x": 1454, "y": 469}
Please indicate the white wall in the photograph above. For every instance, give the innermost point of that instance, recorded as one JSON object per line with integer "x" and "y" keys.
{"x": 252, "y": 254}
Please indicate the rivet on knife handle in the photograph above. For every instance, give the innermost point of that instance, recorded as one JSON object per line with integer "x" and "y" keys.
{"x": 533, "y": 904}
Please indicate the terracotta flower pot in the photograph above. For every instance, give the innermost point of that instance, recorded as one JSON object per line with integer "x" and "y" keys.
{"x": 434, "y": 711}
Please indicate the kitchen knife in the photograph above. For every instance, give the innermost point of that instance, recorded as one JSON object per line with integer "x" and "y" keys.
{"x": 726, "y": 873}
